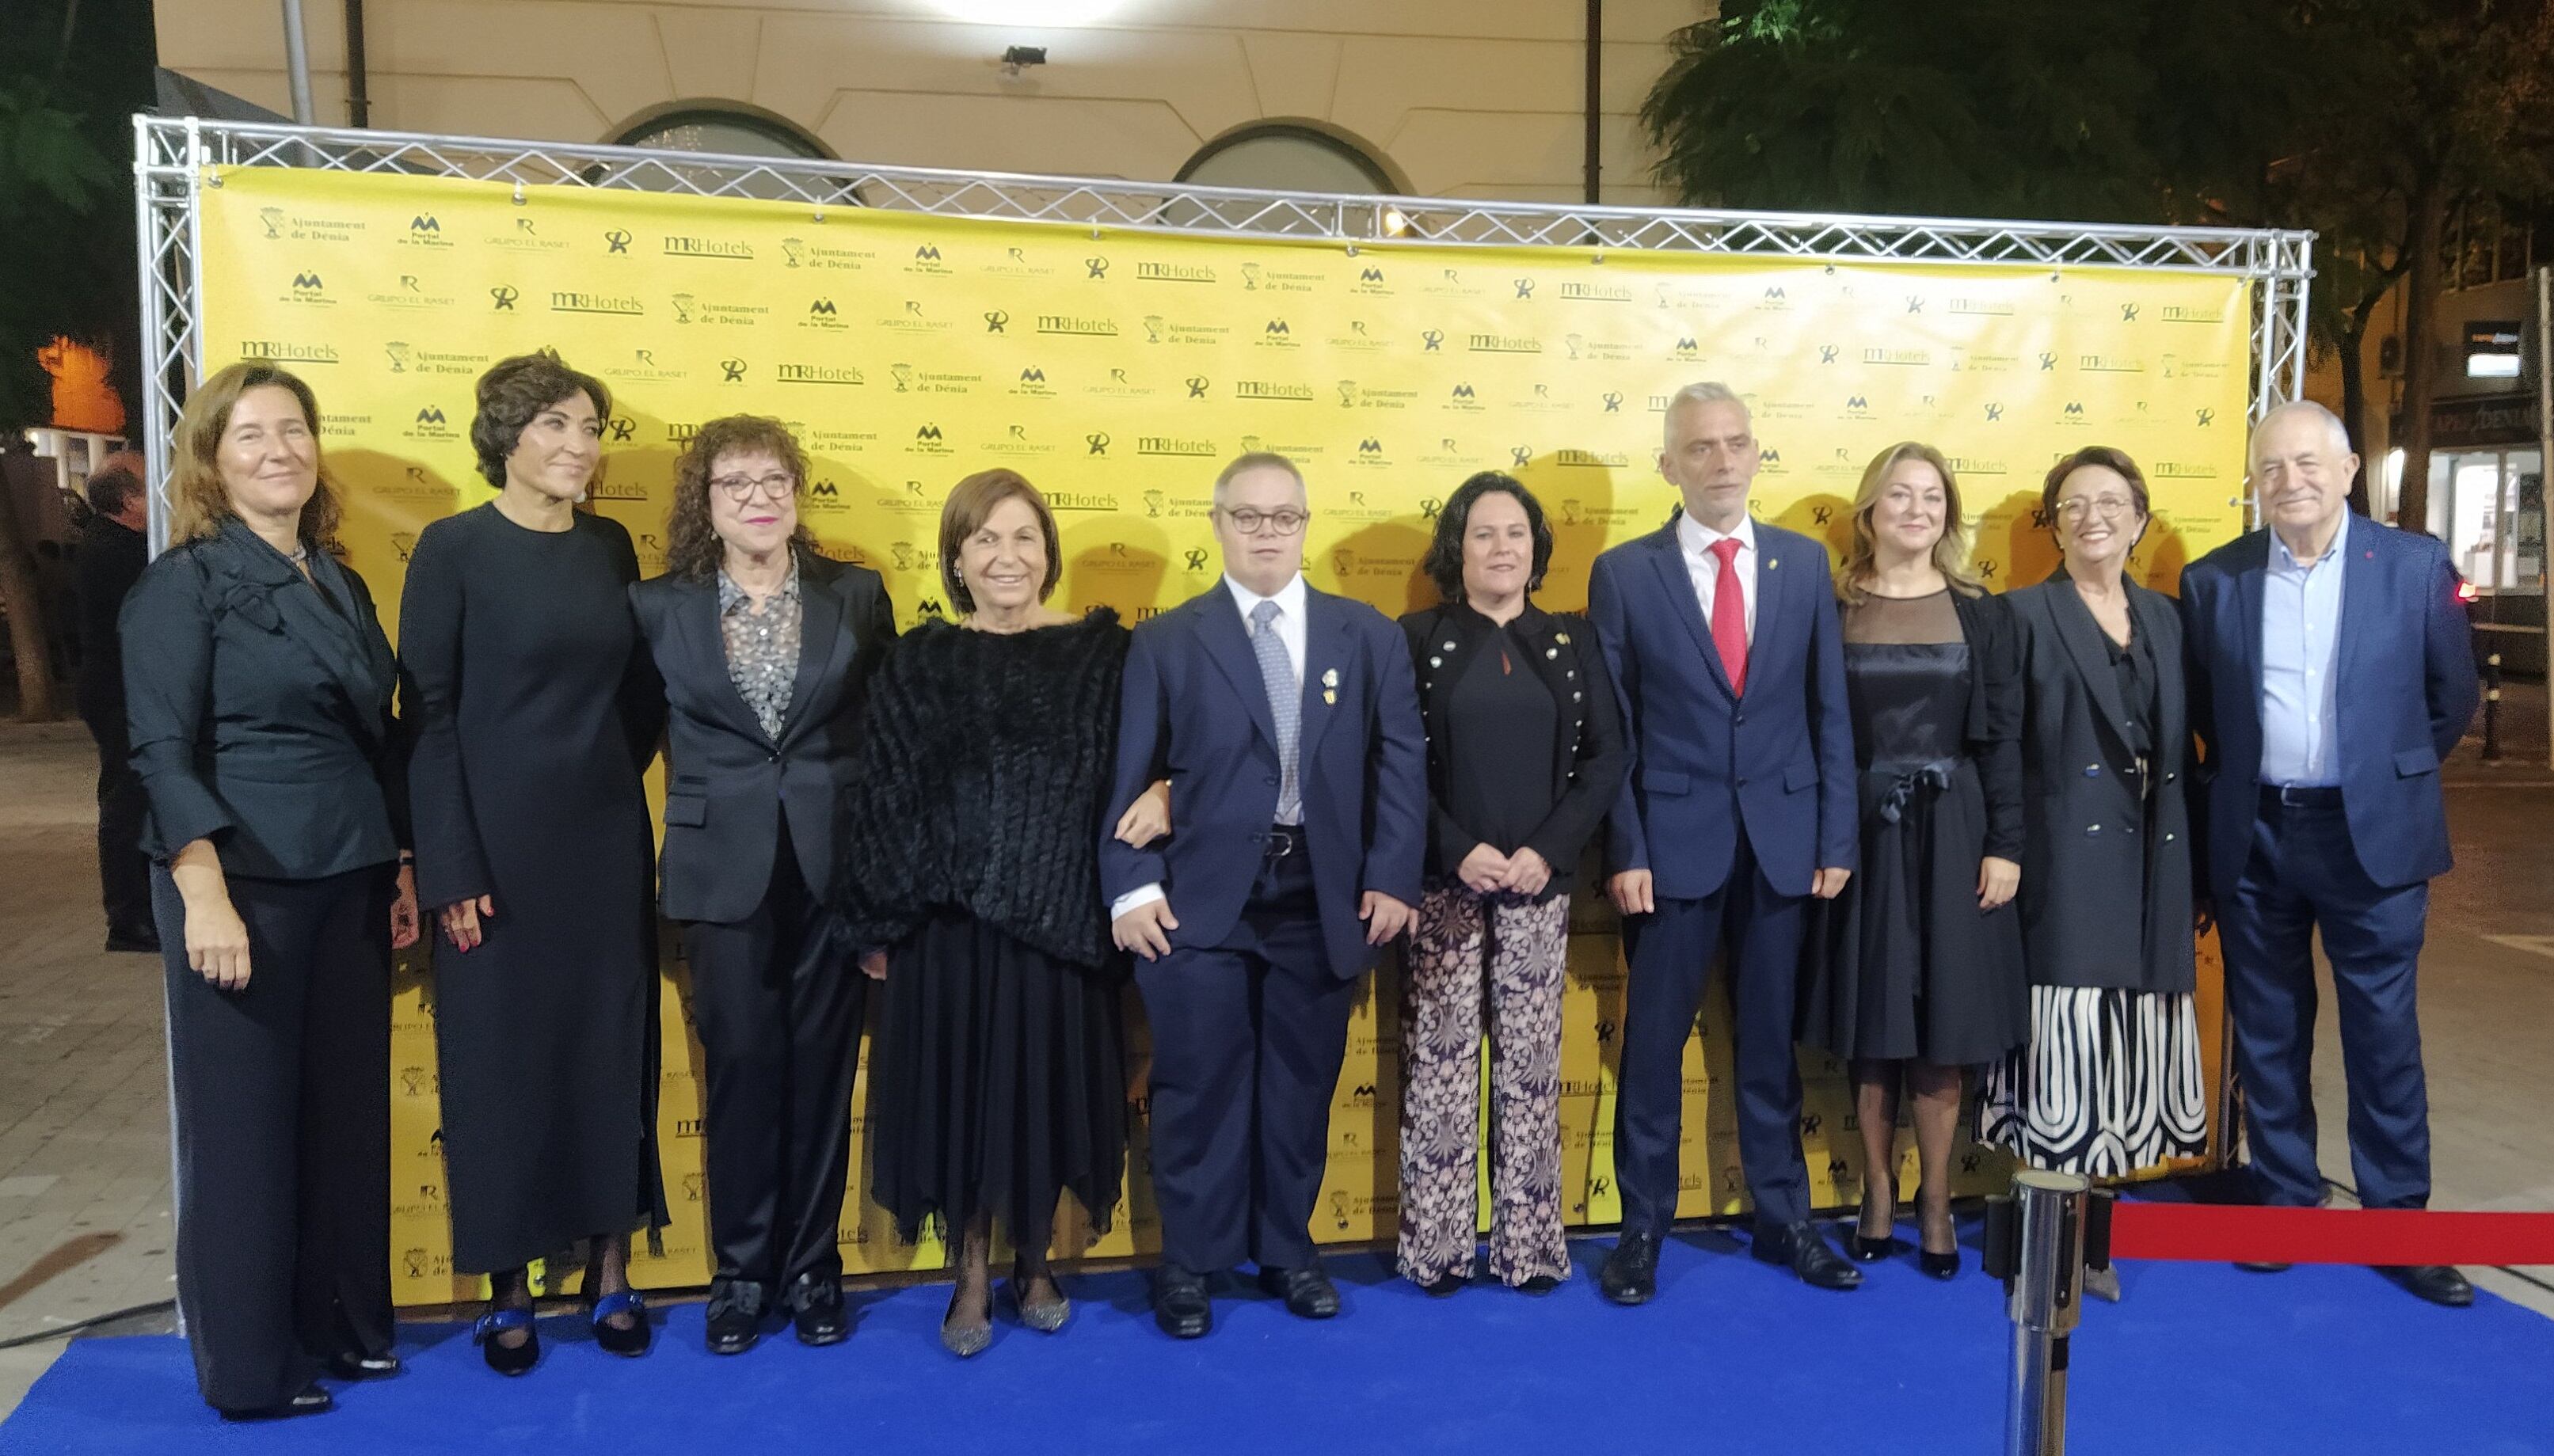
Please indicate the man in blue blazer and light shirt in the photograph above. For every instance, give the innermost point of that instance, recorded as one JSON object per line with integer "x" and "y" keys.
{"x": 1286, "y": 722}
{"x": 1722, "y": 638}
{"x": 2331, "y": 670}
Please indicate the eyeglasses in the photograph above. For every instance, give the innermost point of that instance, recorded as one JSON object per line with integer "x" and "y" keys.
{"x": 2109, "y": 507}
{"x": 779, "y": 486}
{"x": 1259, "y": 523}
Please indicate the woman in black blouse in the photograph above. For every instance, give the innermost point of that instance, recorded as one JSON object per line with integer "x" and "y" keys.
{"x": 971, "y": 875}
{"x": 1916, "y": 971}
{"x": 2111, "y": 1081}
{"x": 258, "y": 695}
{"x": 1525, "y": 751}
{"x": 764, "y": 645}
{"x": 538, "y": 708}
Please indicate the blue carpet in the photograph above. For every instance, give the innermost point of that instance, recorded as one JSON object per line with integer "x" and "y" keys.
{"x": 1734, "y": 1356}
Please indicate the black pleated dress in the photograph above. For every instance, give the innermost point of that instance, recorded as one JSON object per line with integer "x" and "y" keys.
{"x": 537, "y": 711}
{"x": 1904, "y": 963}
{"x": 971, "y": 851}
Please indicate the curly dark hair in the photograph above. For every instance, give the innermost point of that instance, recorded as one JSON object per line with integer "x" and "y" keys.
{"x": 692, "y": 547}
{"x": 1444, "y": 562}
{"x": 512, "y": 393}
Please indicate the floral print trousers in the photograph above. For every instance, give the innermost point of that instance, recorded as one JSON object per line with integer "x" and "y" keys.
{"x": 1472, "y": 949}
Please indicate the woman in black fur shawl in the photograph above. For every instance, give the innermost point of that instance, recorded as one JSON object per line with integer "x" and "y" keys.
{"x": 969, "y": 875}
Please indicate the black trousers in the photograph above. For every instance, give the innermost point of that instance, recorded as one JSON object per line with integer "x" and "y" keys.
{"x": 122, "y": 870}
{"x": 1671, "y": 951}
{"x": 1247, "y": 1042}
{"x": 778, "y": 1004}
{"x": 283, "y": 1132}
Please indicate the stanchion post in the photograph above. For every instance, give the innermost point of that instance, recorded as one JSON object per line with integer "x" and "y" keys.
{"x": 2492, "y": 709}
{"x": 2045, "y": 1289}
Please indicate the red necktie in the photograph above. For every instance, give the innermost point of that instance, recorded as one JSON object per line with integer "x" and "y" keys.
{"x": 1729, "y": 615}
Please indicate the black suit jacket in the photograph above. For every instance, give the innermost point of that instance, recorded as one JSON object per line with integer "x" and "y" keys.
{"x": 111, "y": 557}
{"x": 2106, "y": 894}
{"x": 1588, "y": 754}
{"x": 261, "y": 714}
{"x": 731, "y": 786}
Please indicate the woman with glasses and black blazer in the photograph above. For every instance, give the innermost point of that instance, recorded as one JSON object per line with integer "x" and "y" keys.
{"x": 258, "y": 690}
{"x": 1524, "y": 752}
{"x": 764, "y": 646}
{"x": 2110, "y": 1082}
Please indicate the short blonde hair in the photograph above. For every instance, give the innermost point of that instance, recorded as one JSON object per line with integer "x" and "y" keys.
{"x": 198, "y": 502}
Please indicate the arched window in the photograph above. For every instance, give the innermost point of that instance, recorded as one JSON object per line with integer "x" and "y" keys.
{"x": 1288, "y": 157}
{"x": 724, "y": 130}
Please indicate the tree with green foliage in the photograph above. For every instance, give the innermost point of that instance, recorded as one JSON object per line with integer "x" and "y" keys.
{"x": 2367, "y": 121}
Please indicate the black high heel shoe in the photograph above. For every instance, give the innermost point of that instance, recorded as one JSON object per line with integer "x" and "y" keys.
{"x": 631, "y": 1340}
{"x": 1939, "y": 1266}
{"x": 503, "y": 1358}
{"x": 1872, "y": 1251}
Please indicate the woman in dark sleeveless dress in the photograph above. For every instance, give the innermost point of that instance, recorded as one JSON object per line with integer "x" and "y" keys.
{"x": 970, "y": 874}
{"x": 1917, "y": 969}
{"x": 537, "y": 710}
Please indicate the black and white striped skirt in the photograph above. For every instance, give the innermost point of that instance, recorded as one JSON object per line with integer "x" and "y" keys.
{"x": 2109, "y": 1083}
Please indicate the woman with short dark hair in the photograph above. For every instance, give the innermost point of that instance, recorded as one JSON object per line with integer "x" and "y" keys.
{"x": 2110, "y": 1082}
{"x": 764, "y": 645}
{"x": 258, "y": 688}
{"x": 970, "y": 872}
{"x": 536, "y": 714}
{"x": 1525, "y": 754}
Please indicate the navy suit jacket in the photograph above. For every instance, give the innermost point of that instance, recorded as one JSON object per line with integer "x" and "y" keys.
{"x": 2407, "y": 690}
{"x": 1782, "y": 758}
{"x": 1195, "y": 711}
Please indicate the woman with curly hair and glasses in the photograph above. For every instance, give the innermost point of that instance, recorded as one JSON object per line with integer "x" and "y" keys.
{"x": 1524, "y": 752}
{"x": 764, "y": 646}
{"x": 258, "y": 698}
{"x": 537, "y": 711}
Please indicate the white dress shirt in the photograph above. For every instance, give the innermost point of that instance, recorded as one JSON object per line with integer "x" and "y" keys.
{"x": 1696, "y": 540}
{"x": 1291, "y": 633}
{"x": 2301, "y": 658}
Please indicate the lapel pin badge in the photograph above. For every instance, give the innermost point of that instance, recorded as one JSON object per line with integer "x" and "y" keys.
{"x": 1330, "y": 678}
{"x": 1562, "y": 637}
{"x": 1331, "y": 697}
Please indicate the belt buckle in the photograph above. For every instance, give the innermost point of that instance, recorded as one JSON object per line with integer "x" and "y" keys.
{"x": 2295, "y": 796}
{"x": 1280, "y": 844}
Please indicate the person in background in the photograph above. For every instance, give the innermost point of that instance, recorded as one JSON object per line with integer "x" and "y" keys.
{"x": 537, "y": 707}
{"x": 2110, "y": 1079}
{"x": 114, "y": 547}
{"x": 1287, "y": 723}
{"x": 2332, "y": 672}
{"x": 1721, "y": 637}
{"x": 998, "y": 1077}
{"x": 1914, "y": 973}
{"x": 259, "y": 690}
{"x": 764, "y": 645}
{"x": 1525, "y": 754}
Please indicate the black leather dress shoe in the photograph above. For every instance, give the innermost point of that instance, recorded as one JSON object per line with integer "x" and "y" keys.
{"x": 2437, "y": 1283}
{"x": 1800, "y": 1246}
{"x": 1308, "y": 1293}
{"x": 311, "y": 1401}
{"x": 356, "y": 1364}
{"x": 735, "y": 1318}
{"x": 1630, "y": 1275}
{"x": 1180, "y": 1303}
{"x": 815, "y": 1309}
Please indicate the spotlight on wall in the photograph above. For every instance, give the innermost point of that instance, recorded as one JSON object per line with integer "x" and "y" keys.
{"x": 1017, "y": 58}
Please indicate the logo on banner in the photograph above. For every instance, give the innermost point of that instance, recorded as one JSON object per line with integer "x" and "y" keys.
{"x": 1032, "y": 381}
{"x": 615, "y": 240}
{"x": 1524, "y": 287}
{"x": 731, "y": 371}
{"x": 903, "y": 375}
{"x": 271, "y": 219}
{"x": 1194, "y": 558}
{"x": 1432, "y": 341}
{"x": 1518, "y": 456}
{"x": 399, "y": 356}
{"x": 994, "y": 319}
{"x": 1369, "y": 280}
{"x": 1152, "y": 328}
{"x": 813, "y": 373}
{"x": 1098, "y": 441}
{"x": 1250, "y": 278}
{"x": 424, "y": 231}
{"x": 2128, "y": 314}
{"x": 926, "y": 259}
{"x": 504, "y": 294}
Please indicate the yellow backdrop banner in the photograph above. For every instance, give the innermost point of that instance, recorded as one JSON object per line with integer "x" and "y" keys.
{"x": 1117, "y": 369}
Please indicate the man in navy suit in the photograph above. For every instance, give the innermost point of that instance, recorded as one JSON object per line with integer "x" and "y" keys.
{"x": 1286, "y": 722}
{"x": 1723, "y": 636}
{"x": 2331, "y": 670}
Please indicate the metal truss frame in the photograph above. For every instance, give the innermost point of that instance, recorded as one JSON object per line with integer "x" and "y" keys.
{"x": 170, "y": 155}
